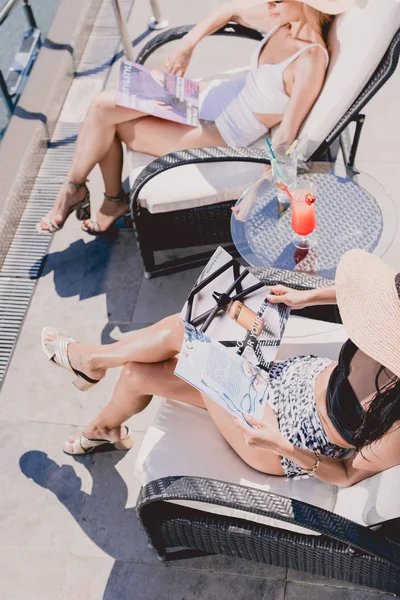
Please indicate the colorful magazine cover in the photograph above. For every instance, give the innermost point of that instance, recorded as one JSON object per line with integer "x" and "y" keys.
{"x": 232, "y": 334}
{"x": 157, "y": 93}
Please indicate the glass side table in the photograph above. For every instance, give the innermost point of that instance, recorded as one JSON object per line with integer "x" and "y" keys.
{"x": 353, "y": 210}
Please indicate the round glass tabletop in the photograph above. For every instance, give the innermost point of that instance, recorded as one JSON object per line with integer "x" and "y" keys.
{"x": 353, "y": 210}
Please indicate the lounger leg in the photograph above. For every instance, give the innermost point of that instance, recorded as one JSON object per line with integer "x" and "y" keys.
{"x": 360, "y": 120}
{"x": 148, "y": 261}
{"x": 148, "y": 516}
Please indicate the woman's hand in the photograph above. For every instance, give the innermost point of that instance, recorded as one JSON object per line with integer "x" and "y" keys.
{"x": 261, "y": 434}
{"x": 295, "y": 299}
{"x": 178, "y": 61}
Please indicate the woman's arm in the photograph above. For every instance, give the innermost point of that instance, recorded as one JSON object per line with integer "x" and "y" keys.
{"x": 376, "y": 457}
{"x": 179, "y": 59}
{"x": 298, "y": 299}
{"x": 309, "y": 78}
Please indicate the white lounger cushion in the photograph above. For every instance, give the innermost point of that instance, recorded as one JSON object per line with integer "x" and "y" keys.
{"x": 358, "y": 40}
{"x": 190, "y": 186}
{"x": 184, "y": 441}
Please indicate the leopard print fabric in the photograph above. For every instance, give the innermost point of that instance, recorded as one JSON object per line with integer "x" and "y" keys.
{"x": 292, "y": 398}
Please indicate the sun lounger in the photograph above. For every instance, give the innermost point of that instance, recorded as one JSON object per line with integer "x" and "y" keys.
{"x": 198, "y": 497}
{"x": 183, "y": 199}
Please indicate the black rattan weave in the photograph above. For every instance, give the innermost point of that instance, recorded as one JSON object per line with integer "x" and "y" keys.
{"x": 191, "y": 219}
{"x": 344, "y": 550}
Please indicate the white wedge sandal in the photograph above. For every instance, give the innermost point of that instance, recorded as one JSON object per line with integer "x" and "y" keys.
{"x": 56, "y": 351}
{"x": 84, "y": 445}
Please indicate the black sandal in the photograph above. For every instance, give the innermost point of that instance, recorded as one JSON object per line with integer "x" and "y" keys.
{"x": 82, "y": 209}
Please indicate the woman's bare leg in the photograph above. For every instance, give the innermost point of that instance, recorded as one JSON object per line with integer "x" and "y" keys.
{"x": 97, "y": 138}
{"x": 155, "y": 136}
{"x": 149, "y": 345}
{"x": 96, "y": 143}
{"x": 136, "y": 386}
{"x": 111, "y": 168}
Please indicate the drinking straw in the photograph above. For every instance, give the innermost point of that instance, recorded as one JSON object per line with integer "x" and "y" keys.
{"x": 274, "y": 161}
{"x": 280, "y": 184}
{"x": 291, "y": 147}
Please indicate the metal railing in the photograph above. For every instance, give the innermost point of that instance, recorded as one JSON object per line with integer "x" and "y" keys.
{"x": 9, "y": 7}
{"x": 156, "y": 22}
{"x": 32, "y": 43}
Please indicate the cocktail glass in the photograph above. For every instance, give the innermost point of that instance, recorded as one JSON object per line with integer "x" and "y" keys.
{"x": 304, "y": 221}
{"x": 285, "y": 170}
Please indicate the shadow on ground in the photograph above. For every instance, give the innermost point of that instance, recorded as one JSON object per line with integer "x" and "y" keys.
{"x": 102, "y": 514}
{"x": 107, "y": 265}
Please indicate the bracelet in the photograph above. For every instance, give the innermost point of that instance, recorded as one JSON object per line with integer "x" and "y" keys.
{"x": 311, "y": 472}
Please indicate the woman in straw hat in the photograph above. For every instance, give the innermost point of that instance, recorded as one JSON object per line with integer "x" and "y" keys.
{"x": 316, "y": 411}
{"x": 286, "y": 74}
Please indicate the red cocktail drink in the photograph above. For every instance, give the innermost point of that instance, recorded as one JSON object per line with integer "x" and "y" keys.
{"x": 304, "y": 220}
{"x": 303, "y": 213}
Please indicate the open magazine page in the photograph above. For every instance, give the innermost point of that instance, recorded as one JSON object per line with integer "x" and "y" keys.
{"x": 232, "y": 334}
{"x": 157, "y": 93}
{"x": 228, "y": 379}
{"x": 258, "y": 342}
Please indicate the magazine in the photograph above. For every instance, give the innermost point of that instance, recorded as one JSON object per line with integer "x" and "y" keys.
{"x": 229, "y": 359}
{"x": 157, "y": 93}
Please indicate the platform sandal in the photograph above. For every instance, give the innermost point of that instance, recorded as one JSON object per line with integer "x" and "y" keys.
{"x": 84, "y": 445}
{"x": 81, "y": 208}
{"x": 56, "y": 351}
{"x": 92, "y": 226}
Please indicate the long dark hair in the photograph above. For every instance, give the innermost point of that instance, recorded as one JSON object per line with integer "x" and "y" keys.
{"x": 382, "y": 413}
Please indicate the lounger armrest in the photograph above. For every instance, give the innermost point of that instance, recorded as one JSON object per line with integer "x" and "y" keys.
{"x": 252, "y": 500}
{"x": 297, "y": 280}
{"x": 176, "y": 33}
{"x": 192, "y": 156}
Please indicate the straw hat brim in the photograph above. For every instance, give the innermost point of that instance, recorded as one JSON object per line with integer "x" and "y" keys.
{"x": 370, "y": 306}
{"x": 330, "y": 7}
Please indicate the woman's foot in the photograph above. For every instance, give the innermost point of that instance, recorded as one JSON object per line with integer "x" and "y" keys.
{"x": 79, "y": 356}
{"x": 112, "y": 208}
{"x": 69, "y": 198}
{"x": 110, "y": 439}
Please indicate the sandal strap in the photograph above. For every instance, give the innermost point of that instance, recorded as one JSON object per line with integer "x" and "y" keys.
{"x": 52, "y": 226}
{"x": 77, "y": 185}
{"x": 60, "y": 350}
{"x": 92, "y": 226}
{"x": 120, "y": 199}
{"x": 89, "y": 445}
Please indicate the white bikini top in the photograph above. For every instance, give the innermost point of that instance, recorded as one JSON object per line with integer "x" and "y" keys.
{"x": 264, "y": 91}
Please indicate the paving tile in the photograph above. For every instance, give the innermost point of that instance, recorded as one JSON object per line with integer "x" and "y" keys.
{"x": 31, "y": 574}
{"x": 43, "y": 489}
{"x": 78, "y": 99}
{"x": 36, "y": 390}
{"x": 163, "y": 296}
{"x": 86, "y": 270}
{"x": 86, "y": 578}
{"x": 302, "y": 591}
{"x": 178, "y": 584}
{"x": 108, "y": 523}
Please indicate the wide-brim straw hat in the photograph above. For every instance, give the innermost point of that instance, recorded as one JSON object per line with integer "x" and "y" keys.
{"x": 368, "y": 297}
{"x": 329, "y": 7}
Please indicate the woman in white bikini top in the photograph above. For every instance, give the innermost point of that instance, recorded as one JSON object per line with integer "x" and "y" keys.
{"x": 234, "y": 104}
{"x": 286, "y": 75}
